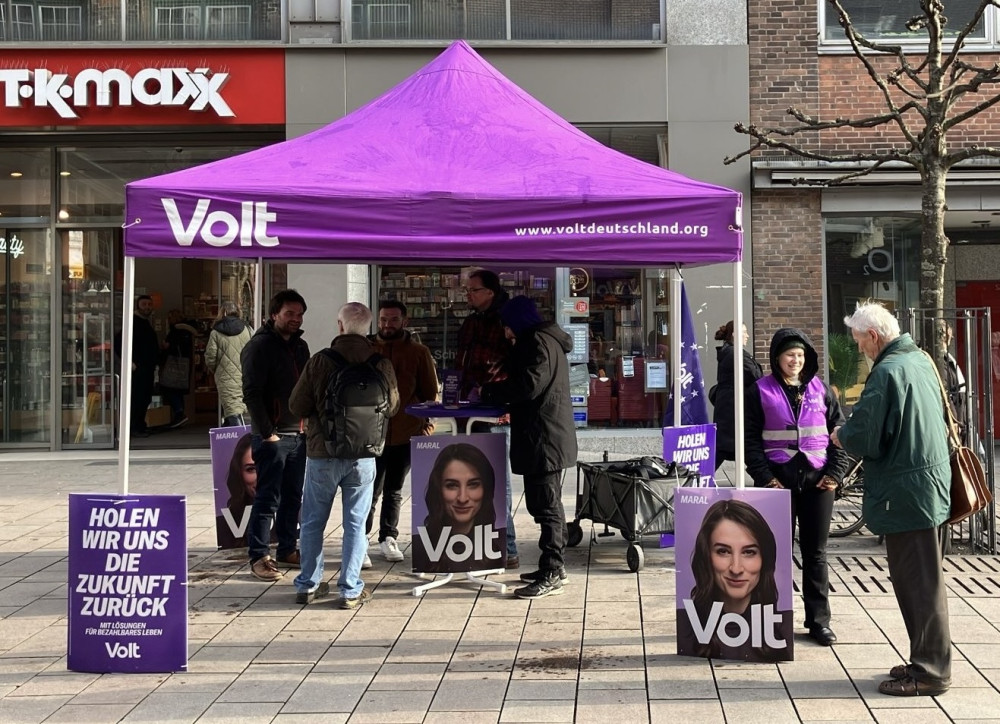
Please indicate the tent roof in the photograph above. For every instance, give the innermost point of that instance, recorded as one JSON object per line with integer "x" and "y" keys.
{"x": 454, "y": 164}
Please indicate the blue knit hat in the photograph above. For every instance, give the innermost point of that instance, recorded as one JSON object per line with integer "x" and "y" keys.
{"x": 520, "y": 314}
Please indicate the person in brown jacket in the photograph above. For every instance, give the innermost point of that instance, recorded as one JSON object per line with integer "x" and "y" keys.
{"x": 325, "y": 474}
{"x": 418, "y": 382}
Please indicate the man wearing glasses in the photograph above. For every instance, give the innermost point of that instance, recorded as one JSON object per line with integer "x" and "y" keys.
{"x": 482, "y": 350}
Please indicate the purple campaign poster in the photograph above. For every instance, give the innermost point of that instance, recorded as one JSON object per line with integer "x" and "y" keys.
{"x": 734, "y": 573}
{"x": 234, "y": 479}
{"x": 127, "y": 583}
{"x": 459, "y": 502}
{"x": 692, "y": 446}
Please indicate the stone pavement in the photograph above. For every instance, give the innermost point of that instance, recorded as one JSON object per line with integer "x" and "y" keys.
{"x": 603, "y": 651}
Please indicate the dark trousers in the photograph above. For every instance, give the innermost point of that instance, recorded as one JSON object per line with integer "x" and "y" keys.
{"x": 917, "y": 578}
{"x": 142, "y": 395}
{"x": 391, "y": 468}
{"x": 543, "y": 496}
{"x": 175, "y": 398}
{"x": 812, "y": 508}
{"x": 281, "y": 469}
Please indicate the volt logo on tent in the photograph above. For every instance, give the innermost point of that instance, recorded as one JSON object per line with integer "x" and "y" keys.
{"x": 220, "y": 228}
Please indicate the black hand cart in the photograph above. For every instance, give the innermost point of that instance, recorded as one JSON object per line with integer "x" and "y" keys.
{"x": 634, "y": 496}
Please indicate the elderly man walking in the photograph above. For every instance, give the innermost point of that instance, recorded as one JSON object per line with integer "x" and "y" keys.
{"x": 898, "y": 427}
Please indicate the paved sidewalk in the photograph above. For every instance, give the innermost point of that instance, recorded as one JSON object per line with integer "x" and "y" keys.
{"x": 602, "y": 652}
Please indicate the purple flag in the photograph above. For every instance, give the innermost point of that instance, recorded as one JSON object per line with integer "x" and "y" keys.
{"x": 694, "y": 410}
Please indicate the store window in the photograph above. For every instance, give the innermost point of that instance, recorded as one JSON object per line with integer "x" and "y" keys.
{"x": 867, "y": 257}
{"x": 25, "y": 186}
{"x": 617, "y": 318}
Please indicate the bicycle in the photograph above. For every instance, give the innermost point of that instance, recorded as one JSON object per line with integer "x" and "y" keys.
{"x": 848, "y": 517}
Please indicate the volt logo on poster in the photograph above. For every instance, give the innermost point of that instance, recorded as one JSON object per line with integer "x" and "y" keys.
{"x": 220, "y": 228}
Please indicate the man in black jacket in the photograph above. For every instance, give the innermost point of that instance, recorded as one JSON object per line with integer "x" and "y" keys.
{"x": 272, "y": 361}
{"x": 145, "y": 355}
{"x": 542, "y": 434}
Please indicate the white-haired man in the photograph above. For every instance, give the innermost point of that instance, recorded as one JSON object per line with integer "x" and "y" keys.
{"x": 324, "y": 474}
{"x": 898, "y": 427}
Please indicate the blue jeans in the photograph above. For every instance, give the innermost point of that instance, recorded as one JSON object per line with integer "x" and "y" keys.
{"x": 280, "y": 471}
{"x": 355, "y": 479}
{"x": 511, "y": 535}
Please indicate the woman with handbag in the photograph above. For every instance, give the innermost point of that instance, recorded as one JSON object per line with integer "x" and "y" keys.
{"x": 175, "y": 371}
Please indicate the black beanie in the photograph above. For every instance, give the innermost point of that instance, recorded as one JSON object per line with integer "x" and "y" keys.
{"x": 790, "y": 343}
{"x": 520, "y": 313}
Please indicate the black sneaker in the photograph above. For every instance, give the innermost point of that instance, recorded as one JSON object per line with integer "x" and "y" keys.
{"x": 548, "y": 586}
{"x": 538, "y": 575}
{"x": 321, "y": 591}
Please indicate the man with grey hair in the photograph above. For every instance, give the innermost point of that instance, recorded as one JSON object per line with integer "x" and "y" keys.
{"x": 324, "y": 474}
{"x": 898, "y": 427}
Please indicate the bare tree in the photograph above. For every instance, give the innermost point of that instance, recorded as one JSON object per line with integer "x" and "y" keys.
{"x": 925, "y": 96}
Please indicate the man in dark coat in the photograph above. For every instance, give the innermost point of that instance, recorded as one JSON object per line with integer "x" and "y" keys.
{"x": 145, "y": 355}
{"x": 542, "y": 434}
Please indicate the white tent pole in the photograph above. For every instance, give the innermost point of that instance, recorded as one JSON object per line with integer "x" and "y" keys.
{"x": 738, "y": 366}
{"x": 258, "y": 290}
{"x": 125, "y": 394}
{"x": 675, "y": 342}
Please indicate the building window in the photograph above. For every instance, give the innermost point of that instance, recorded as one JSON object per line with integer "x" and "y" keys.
{"x": 886, "y": 20}
{"x": 598, "y": 20}
{"x": 178, "y": 23}
{"x": 227, "y": 22}
{"x": 23, "y": 22}
{"x": 61, "y": 22}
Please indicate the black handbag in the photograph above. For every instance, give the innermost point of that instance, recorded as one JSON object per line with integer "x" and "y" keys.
{"x": 175, "y": 373}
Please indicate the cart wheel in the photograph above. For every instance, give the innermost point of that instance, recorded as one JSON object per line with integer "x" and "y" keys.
{"x": 574, "y": 534}
{"x": 634, "y": 557}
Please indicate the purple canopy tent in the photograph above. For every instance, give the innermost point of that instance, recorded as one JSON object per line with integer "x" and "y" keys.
{"x": 456, "y": 164}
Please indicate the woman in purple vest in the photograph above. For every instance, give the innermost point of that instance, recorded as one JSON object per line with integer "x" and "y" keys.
{"x": 789, "y": 417}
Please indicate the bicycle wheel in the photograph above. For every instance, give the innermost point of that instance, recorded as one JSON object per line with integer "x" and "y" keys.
{"x": 847, "y": 516}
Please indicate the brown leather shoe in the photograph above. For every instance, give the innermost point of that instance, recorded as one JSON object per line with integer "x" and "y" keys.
{"x": 292, "y": 560}
{"x": 908, "y": 686}
{"x": 264, "y": 569}
{"x": 513, "y": 562}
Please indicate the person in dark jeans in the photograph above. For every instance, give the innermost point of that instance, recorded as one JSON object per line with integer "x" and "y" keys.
{"x": 542, "y": 432}
{"x": 417, "y": 380}
{"x": 271, "y": 364}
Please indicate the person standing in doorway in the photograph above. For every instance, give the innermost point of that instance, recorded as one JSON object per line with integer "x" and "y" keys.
{"x": 145, "y": 355}
{"x": 482, "y": 351}
{"x": 417, "y": 379}
{"x": 226, "y": 341}
{"x": 271, "y": 363}
{"x": 178, "y": 344}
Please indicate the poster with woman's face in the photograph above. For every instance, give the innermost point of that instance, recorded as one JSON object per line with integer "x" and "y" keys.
{"x": 459, "y": 502}
{"x": 734, "y": 573}
{"x": 234, "y": 479}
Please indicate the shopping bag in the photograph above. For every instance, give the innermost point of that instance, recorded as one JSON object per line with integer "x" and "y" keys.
{"x": 175, "y": 373}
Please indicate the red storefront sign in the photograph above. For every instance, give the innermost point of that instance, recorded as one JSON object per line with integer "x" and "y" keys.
{"x": 223, "y": 86}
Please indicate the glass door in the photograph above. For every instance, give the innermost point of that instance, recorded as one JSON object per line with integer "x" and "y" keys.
{"x": 88, "y": 388}
{"x": 25, "y": 336}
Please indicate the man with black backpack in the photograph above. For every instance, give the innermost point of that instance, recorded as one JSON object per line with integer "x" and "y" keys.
{"x": 348, "y": 393}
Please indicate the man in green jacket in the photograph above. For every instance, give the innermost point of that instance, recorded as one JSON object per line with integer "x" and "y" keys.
{"x": 898, "y": 427}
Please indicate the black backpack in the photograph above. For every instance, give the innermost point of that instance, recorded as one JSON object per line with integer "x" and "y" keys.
{"x": 355, "y": 418}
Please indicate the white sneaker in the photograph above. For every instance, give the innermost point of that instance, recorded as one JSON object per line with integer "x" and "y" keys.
{"x": 366, "y": 563}
{"x": 390, "y": 550}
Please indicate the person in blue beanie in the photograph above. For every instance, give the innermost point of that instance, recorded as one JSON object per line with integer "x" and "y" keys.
{"x": 542, "y": 434}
